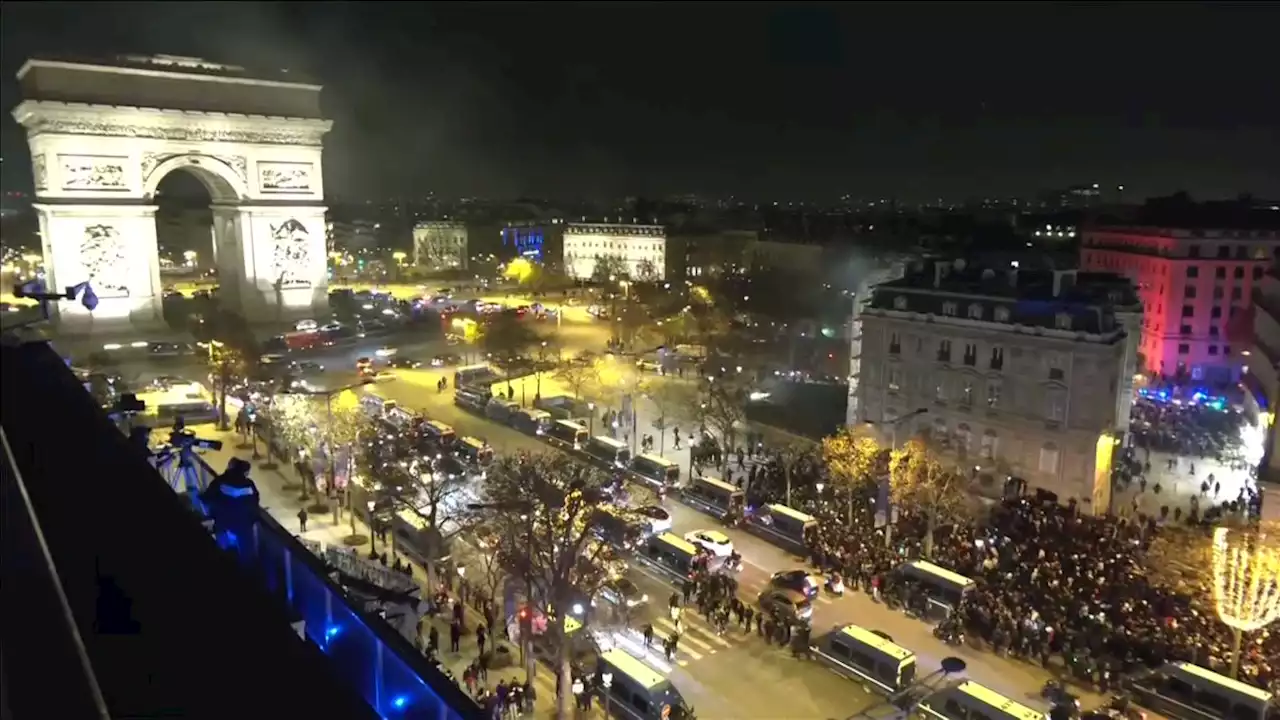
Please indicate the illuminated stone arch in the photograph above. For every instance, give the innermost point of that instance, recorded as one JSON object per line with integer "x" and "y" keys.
{"x": 104, "y": 135}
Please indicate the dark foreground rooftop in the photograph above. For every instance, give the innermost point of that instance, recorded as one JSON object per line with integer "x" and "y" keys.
{"x": 147, "y": 618}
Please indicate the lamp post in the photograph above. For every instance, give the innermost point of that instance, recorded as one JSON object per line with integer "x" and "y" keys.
{"x": 525, "y": 508}
{"x": 373, "y": 543}
{"x": 887, "y": 507}
{"x": 542, "y": 357}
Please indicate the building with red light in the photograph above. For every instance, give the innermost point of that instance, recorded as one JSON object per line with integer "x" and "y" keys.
{"x": 1196, "y": 288}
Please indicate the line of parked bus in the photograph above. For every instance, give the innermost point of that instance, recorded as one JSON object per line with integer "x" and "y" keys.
{"x": 570, "y": 436}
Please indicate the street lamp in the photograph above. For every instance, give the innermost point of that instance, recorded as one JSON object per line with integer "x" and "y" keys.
{"x": 887, "y": 508}
{"x": 542, "y": 358}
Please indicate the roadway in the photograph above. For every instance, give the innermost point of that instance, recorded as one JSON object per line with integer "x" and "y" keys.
{"x": 737, "y": 675}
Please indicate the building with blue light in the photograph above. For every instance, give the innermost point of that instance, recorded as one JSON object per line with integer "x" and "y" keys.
{"x": 536, "y": 242}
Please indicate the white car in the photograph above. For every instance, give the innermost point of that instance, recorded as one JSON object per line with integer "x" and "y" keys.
{"x": 658, "y": 519}
{"x": 713, "y": 541}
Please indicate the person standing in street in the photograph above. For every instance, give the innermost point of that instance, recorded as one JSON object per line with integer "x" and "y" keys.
{"x": 455, "y": 636}
{"x": 302, "y": 520}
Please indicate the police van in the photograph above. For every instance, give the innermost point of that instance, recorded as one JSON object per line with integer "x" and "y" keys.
{"x": 655, "y": 470}
{"x": 531, "y": 421}
{"x": 945, "y": 588}
{"x": 439, "y": 433}
{"x": 474, "y": 452}
{"x": 671, "y": 555}
{"x": 971, "y": 701}
{"x": 637, "y": 691}
{"x": 713, "y": 496}
{"x": 1184, "y": 691}
{"x": 781, "y": 525}
{"x": 471, "y": 398}
{"x": 566, "y": 434}
{"x": 612, "y": 454}
{"x": 859, "y": 654}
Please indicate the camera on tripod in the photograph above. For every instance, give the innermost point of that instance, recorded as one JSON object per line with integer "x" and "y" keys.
{"x": 180, "y": 439}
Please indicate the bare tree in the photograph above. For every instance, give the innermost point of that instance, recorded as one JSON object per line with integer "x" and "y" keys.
{"x": 722, "y": 408}
{"x": 542, "y": 512}
{"x": 577, "y": 376}
{"x": 794, "y": 457}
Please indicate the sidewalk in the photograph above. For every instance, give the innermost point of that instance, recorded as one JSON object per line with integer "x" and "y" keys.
{"x": 283, "y": 505}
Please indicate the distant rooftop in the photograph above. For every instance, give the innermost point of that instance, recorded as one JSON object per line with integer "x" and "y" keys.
{"x": 589, "y": 228}
{"x": 175, "y": 64}
{"x": 1060, "y": 299}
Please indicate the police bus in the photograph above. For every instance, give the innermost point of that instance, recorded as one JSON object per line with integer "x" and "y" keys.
{"x": 1183, "y": 691}
{"x": 971, "y": 701}
{"x": 862, "y": 655}
{"x": 531, "y": 421}
{"x": 655, "y": 470}
{"x": 609, "y": 452}
{"x": 566, "y": 434}
{"x": 713, "y": 496}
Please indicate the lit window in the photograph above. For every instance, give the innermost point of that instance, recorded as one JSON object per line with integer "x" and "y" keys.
{"x": 1062, "y": 321}
{"x": 1002, "y": 314}
{"x": 975, "y": 311}
{"x": 900, "y": 302}
{"x": 949, "y": 309}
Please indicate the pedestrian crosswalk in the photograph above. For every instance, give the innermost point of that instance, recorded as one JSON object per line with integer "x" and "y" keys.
{"x": 697, "y": 638}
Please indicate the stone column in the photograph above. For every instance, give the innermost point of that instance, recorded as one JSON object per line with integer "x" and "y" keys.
{"x": 113, "y": 248}
{"x": 280, "y": 267}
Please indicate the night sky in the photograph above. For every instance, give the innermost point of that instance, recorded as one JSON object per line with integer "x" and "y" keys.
{"x": 789, "y": 101}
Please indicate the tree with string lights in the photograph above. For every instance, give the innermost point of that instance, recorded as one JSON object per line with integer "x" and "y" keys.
{"x": 1246, "y": 582}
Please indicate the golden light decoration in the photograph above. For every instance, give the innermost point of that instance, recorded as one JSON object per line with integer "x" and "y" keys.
{"x": 1246, "y": 579}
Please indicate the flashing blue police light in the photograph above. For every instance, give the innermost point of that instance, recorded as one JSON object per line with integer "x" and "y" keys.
{"x": 400, "y": 702}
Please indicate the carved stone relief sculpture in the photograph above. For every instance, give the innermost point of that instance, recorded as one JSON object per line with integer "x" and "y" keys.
{"x": 90, "y": 172}
{"x": 150, "y": 161}
{"x": 285, "y": 177}
{"x": 40, "y": 170}
{"x": 291, "y": 255}
{"x": 105, "y": 261}
{"x": 184, "y": 133}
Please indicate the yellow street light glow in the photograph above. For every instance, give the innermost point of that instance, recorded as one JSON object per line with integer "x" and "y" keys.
{"x": 1246, "y": 580}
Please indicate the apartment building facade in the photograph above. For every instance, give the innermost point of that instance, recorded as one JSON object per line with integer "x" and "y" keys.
{"x": 1197, "y": 288}
{"x": 1005, "y": 374}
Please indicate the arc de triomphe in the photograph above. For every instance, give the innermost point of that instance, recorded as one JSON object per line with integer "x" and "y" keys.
{"x": 103, "y": 135}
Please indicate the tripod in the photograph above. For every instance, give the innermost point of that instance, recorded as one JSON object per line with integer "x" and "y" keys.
{"x": 179, "y": 468}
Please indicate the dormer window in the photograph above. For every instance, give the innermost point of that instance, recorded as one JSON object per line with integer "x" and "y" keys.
{"x": 900, "y": 302}
{"x": 975, "y": 311}
{"x": 1062, "y": 321}
{"x": 1002, "y": 314}
{"x": 949, "y": 309}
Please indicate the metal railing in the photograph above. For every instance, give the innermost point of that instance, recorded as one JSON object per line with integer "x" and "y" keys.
{"x": 33, "y": 597}
{"x": 392, "y": 675}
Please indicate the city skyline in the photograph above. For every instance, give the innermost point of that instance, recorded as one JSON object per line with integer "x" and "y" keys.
{"x": 810, "y": 103}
